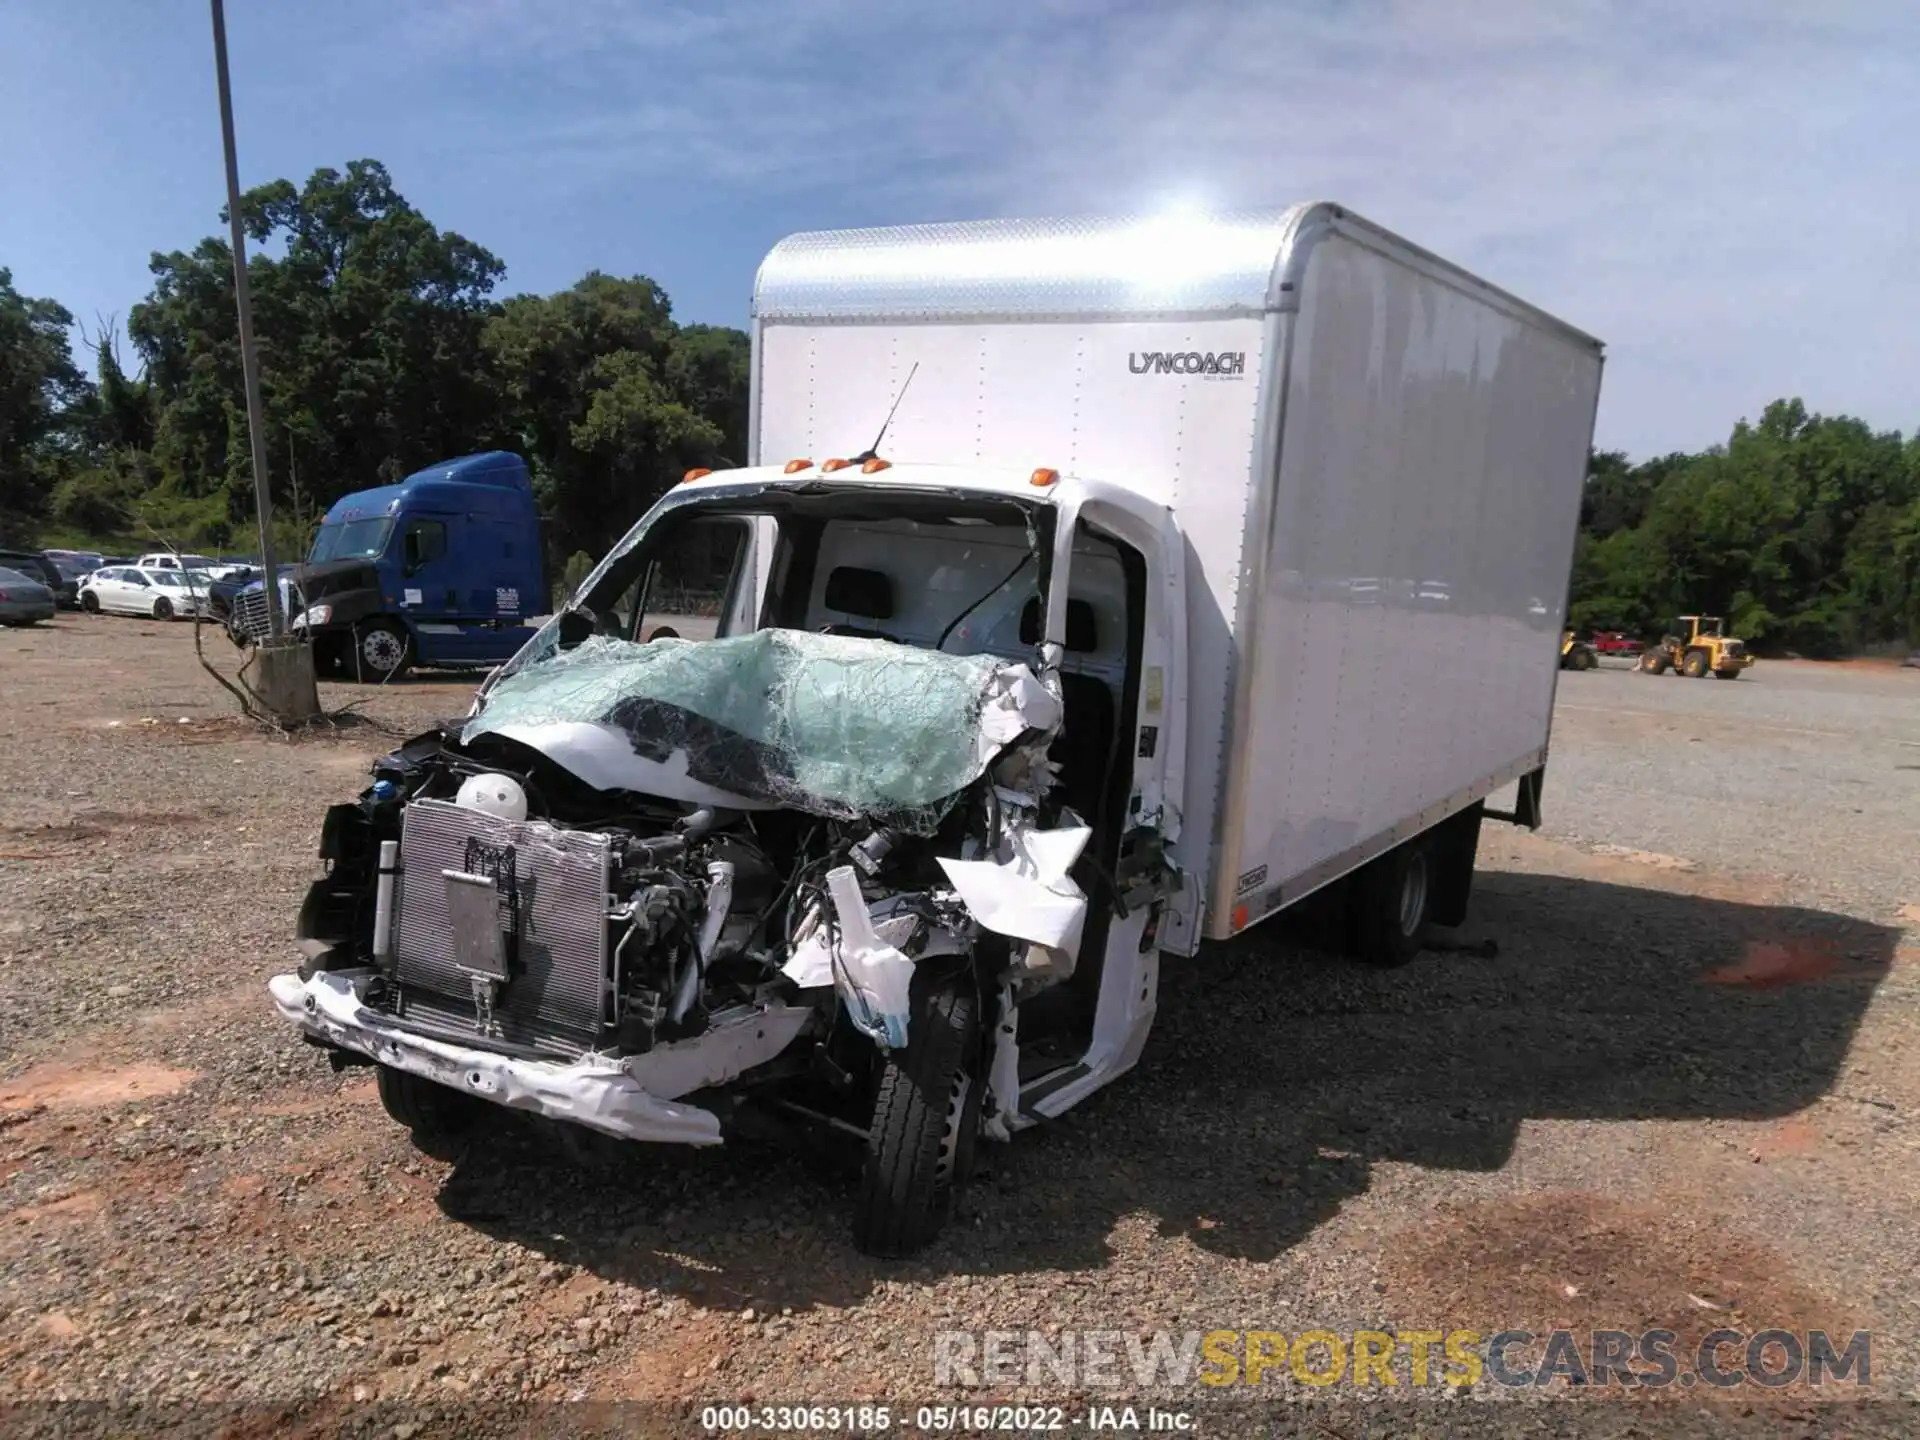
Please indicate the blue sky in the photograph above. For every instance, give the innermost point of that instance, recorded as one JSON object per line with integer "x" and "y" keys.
{"x": 1726, "y": 191}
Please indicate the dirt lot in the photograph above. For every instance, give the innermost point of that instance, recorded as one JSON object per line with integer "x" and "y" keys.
{"x": 1682, "y": 1093}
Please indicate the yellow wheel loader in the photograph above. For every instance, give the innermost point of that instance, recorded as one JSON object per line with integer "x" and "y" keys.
{"x": 1576, "y": 654}
{"x": 1695, "y": 647}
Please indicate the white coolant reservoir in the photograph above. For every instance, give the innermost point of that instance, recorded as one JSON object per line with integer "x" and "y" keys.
{"x": 496, "y": 794}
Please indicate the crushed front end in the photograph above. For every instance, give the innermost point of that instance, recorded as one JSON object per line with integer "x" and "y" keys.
{"x": 643, "y": 883}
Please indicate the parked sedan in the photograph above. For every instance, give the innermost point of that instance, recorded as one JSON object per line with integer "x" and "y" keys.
{"x": 131, "y": 590}
{"x": 23, "y": 599}
{"x": 1616, "y": 642}
{"x": 35, "y": 566}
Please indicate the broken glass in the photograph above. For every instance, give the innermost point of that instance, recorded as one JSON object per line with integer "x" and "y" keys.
{"x": 833, "y": 725}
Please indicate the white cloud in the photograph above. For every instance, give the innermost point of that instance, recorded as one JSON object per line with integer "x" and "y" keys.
{"x": 1723, "y": 190}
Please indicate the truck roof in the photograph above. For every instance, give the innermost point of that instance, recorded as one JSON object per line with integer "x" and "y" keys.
{"x": 986, "y": 480}
{"x": 445, "y": 482}
{"x": 1239, "y": 263}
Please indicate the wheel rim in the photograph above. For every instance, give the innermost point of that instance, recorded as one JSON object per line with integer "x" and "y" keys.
{"x": 952, "y": 1138}
{"x": 381, "y": 649}
{"x": 162, "y": 610}
{"x": 1413, "y": 893}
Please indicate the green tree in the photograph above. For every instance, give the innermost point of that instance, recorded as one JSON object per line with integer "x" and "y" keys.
{"x": 1803, "y": 530}
{"x": 41, "y": 389}
{"x": 369, "y": 323}
{"x": 614, "y": 402}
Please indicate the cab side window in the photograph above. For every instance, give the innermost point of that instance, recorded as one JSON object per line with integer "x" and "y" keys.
{"x": 426, "y": 541}
{"x": 686, "y": 588}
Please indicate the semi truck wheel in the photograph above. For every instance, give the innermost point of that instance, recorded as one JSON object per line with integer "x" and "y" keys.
{"x": 435, "y": 1114}
{"x": 1695, "y": 665}
{"x": 1390, "y": 903}
{"x": 381, "y": 651}
{"x": 926, "y": 1117}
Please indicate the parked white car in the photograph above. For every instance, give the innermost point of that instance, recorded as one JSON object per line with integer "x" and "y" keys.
{"x": 138, "y": 590}
{"x": 205, "y": 564}
{"x": 169, "y": 560}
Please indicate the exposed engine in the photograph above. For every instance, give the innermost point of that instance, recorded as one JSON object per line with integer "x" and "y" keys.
{"x": 608, "y": 932}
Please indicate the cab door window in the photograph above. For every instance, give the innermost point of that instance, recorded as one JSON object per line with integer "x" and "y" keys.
{"x": 424, "y": 543}
{"x": 689, "y": 586}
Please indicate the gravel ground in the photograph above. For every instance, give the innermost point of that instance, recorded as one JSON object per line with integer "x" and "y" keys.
{"x": 1801, "y": 771}
{"x": 1667, "y": 1075}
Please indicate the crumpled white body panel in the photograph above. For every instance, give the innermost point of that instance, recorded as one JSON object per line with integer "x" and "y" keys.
{"x": 633, "y": 1100}
{"x": 603, "y": 756}
{"x": 1029, "y": 895}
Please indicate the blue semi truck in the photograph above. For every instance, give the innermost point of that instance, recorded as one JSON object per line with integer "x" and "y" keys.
{"x": 442, "y": 569}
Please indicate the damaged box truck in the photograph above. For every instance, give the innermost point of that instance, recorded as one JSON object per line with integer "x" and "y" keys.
{"x": 1204, "y": 562}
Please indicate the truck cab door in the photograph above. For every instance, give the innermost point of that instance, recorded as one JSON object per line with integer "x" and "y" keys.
{"x": 1151, "y": 871}
{"x": 430, "y": 584}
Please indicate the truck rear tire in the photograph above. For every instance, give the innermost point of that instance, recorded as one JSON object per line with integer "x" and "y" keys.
{"x": 926, "y": 1117}
{"x": 435, "y": 1114}
{"x": 1454, "y": 844}
{"x": 1389, "y": 904}
{"x": 382, "y": 650}
{"x": 1654, "y": 662}
{"x": 1695, "y": 666}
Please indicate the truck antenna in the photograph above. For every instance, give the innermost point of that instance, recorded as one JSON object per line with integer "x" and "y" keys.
{"x": 873, "y": 451}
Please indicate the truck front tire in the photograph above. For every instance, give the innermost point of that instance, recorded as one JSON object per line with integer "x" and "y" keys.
{"x": 382, "y": 650}
{"x": 435, "y": 1114}
{"x": 926, "y": 1117}
{"x": 1389, "y": 904}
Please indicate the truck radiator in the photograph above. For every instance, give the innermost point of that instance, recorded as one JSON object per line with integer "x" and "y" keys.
{"x": 250, "y": 613}
{"x": 554, "y": 907}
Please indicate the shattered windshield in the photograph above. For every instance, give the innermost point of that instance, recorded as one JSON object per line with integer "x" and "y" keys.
{"x": 833, "y": 725}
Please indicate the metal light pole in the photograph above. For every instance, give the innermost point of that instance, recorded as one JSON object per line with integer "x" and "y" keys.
{"x": 283, "y": 682}
{"x": 249, "y": 360}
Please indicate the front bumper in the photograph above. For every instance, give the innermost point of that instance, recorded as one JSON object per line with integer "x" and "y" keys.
{"x": 598, "y": 1093}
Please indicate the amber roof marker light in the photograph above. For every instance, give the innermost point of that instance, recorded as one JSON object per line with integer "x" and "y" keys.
{"x": 693, "y": 475}
{"x": 828, "y": 467}
{"x": 1044, "y": 477}
{"x": 875, "y": 466}
{"x": 794, "y": 467}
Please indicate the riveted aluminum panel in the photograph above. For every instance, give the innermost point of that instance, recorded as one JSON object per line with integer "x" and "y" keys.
{"x": 1135, "y": 266}
{"x": 558, "y": 994}
{"x": 1374, "y": 482}
{"x": 1409, "y": 586}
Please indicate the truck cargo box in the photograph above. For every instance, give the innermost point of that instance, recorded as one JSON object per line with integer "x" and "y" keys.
{"x": 1375, "y": 457}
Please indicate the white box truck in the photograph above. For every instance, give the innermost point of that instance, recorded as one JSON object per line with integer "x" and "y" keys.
{"x": 1095, "y": 588}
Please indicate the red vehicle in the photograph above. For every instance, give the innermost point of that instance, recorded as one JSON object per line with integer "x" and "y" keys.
{"x": 1616, "y": 642}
